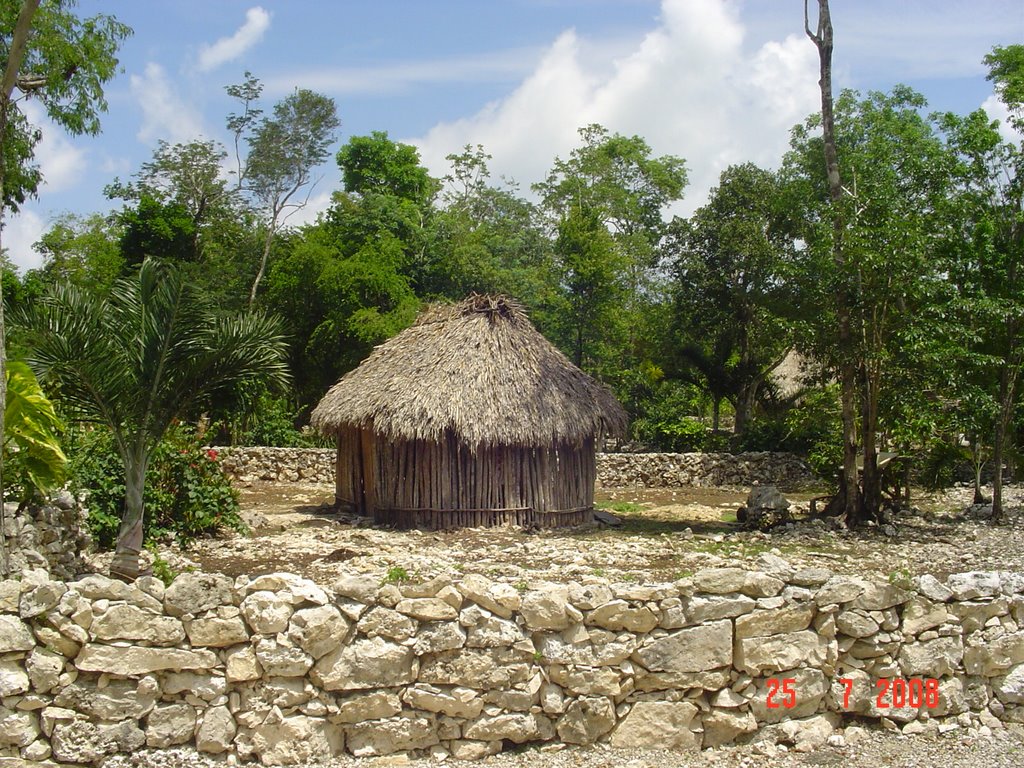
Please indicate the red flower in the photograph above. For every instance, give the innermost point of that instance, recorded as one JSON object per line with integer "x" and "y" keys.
{"x": 212, "y": 454}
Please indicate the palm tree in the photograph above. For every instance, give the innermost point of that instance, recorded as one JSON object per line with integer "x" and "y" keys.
{"x": 139, "y": 358}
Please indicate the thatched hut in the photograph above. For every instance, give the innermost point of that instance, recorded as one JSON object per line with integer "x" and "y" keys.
{"x": 470, "y": 417}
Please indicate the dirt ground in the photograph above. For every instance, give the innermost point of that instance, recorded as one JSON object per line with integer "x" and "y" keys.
{"x": 666, "y": 534}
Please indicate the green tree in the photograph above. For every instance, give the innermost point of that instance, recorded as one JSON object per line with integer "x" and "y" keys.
{"x": 140, "y": 358}
{"x": 84, "y": 250}
{"x": 726, "y": 271}
{"x": 613, "y": 181}
{"x": 32, "y": 427}
{"x": 899, "y": 173}
{"x": 285, "y": 149}
{"x": 487, "y": 239}
{"x": 63, "y": 61}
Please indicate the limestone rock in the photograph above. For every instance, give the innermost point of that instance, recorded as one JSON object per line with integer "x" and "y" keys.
{"x": 40, "y": 599}
{"x": 135, "y": 660}
{"x": 586, "y": 720}
{"x": 454, "y": 702}
{"x": 427, "y": 609}
{"x": 197, "y": 592}
{"x": 856, "y": 623}
{"x": 81, "y": 741}
{"x": 129, "y": 622}
{"x": 932, "y": 658}
{"x": 791, "y": 618}
{"x": 217, "y": 632}
{"x": 385, "y": 622}
{"x": 698, "y": 610}
{"x": 279, "y": 660}
{"x": 970, "y": 586}
{"x": 689, "y": 650}
{"x": 587, "y": 681}
{"x": 757, "y": 655}
{"x": 397, "y": 734}
{"x": 548, "y": 608}
{"x": 807, "y": 734}
{"x": 370, "y": 706}
{"x": 18, "y": 729}
{"x": 440, "y": 636}
{"x": 206, "y": 687}
{"x": 169, "y": 725}
{"x": 118, "y": 700}
{"x": 657, "y": 725}
{"x": 587, "y": 597}
{"x": 266, "y": 612}
{"x": 359, "y": 587}
{"x": 494, "y": 632}
{"x": 481, "y": 669}
{"x": 365, "y": 663}
{"x": 318, "y": 630}
{"x": 1009, "y": 688}
{"x": 498, "y": 598}
{"x": 240, "y": 664}
{"x": 518, "y": 727}
{"x": 618, "y": 615}
{"x": 995, "y": 657}
{"x": 13, "y": 678}
{"x": 930, "y": 587}
{"x": 298, "y": 590}
{"x": 722, "y": 726}
{"x": 43, "y": 668}
{"x": 15, "y": 635}
{"x": 297, "y": 739}
{"x": 217, "y": 730}
{"x": 920, "y": 615}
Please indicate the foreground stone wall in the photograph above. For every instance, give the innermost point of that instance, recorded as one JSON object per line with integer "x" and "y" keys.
{"x": 280, "y": 670}
{"x": 614, "y": 470}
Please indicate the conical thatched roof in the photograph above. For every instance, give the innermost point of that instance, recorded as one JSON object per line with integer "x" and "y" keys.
{"x": 479, "y": 369}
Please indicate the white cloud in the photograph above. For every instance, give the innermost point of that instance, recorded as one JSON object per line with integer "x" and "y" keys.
{"x": 486, "y": 67}
{"x": 61, "y": 163}
{"x": 226, "y": 49}
{"x": 19, "y": 232}
{"x": 165, "y": 115}
{"x": 690, "y": 88}
{"x": 997, "y": 111}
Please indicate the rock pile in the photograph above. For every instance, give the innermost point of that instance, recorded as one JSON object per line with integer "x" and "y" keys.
{"x": 50, "y": 536}
{"x": 279, "y": 669}
{"x": 614, "y": 470}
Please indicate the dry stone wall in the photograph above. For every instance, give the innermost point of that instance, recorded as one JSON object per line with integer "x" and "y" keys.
{"x": 614, "y": 470}
{"x": 281, "y": 670}
{"x": 50, "y": 536}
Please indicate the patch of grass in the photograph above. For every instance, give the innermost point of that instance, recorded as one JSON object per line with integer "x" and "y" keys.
{"x": 681, "y": 575}
{"x": 622, "y": 507}
{"x": 729, "y": 516}
{"x": 396, "y": 575}
{"x": 901, "y": 579}
{"x": 521, "y": 586}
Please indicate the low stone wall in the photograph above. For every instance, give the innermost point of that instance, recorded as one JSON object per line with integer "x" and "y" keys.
{"x": 672, "y": 470}
{"x": 50, "y": 537}
{"x": 614, "y": 470}
{"x": 281, "y": 670}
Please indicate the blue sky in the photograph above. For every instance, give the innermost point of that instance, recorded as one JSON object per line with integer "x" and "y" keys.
{"x": 713, "y": 81}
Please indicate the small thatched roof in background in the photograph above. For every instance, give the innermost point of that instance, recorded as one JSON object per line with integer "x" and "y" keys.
{"x": 478, "y": 368}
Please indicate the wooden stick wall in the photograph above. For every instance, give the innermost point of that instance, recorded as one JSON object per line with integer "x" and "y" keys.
{"x": 435, "y": 485}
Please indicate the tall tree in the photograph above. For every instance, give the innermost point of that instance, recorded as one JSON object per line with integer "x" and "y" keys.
{"x": 822, "y": 38}
{"x": 63, "y": 61}
{"x": 727, "y": 265}
{"x": 138, "y": 359}
{"x": 285, "y": 149}
{"x": 614, "y": 181}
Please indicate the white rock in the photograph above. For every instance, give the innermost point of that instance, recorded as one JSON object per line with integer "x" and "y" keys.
{"x": 657, "y": 725}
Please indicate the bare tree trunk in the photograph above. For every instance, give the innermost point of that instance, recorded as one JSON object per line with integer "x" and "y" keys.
{"x": 125, "y": 564}
{"x": 977, "y": 464}
{"x": 263, "y": 263}
{"x": 1007, "y": 398}
{"x": 10, "y": 76}
{"x": 745, "y": 402}
{"x": 716, "y": 410}
{"x": 822, "y": 39}
{"x": 871, "y": 496}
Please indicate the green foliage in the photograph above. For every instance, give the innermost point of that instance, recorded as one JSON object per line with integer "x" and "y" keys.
{"x": 941, "y": 463}
{"x": 69, "y": 60}
{"x": 678, "y": 434}
{"x": 187, "y": 495}
{"x": 396, "y": 575}
{"x": 32, "y": 457}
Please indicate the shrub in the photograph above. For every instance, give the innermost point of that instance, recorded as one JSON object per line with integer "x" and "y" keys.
{"x": 679, "y": 434}
{"x": 943, "y": 461}
{"x": 187, "y": 495}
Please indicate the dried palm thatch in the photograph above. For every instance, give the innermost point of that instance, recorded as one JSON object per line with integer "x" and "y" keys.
{"x": 478, "y": 371}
